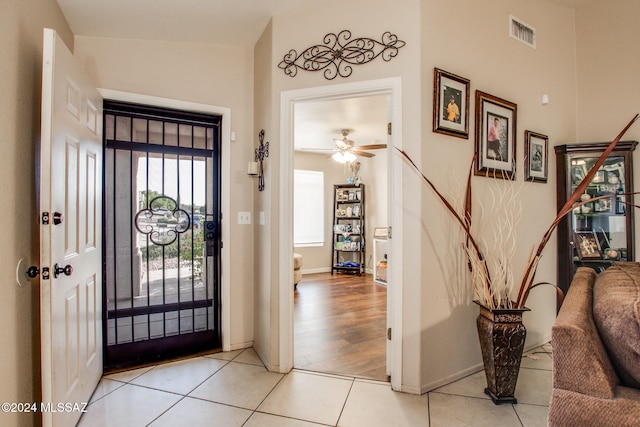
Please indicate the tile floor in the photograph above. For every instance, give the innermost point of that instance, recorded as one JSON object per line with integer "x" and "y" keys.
{"x": 234, "y": 389}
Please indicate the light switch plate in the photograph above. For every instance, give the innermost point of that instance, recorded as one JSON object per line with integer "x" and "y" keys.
{"x": 244, "y": 217}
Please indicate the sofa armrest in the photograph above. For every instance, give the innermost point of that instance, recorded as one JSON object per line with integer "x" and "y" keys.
{"x": 580, "y": 361}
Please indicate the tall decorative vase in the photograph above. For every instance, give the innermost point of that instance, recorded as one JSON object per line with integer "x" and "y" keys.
{"x": 502, "y": 336}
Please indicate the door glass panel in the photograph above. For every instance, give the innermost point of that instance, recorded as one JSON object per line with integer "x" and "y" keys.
{"x": 599, "y": 224}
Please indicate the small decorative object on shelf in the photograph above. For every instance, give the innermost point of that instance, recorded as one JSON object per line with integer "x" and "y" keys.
{"x": 380, "y": 249}
{"x": 347, "y": 253}
{"x": 599, "y": 232}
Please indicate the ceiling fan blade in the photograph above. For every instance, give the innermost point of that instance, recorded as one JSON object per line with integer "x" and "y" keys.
{"x": 370, "y": 147}
{"x": 363, "y": 153}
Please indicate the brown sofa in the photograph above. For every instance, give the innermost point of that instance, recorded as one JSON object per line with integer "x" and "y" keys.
{"x": 595, "y": 357}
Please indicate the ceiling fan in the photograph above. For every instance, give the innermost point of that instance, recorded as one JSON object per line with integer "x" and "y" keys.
{"x": 347, "y": 151}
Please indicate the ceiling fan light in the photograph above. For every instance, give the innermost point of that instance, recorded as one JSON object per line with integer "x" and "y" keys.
{"x": 344, "y": 157}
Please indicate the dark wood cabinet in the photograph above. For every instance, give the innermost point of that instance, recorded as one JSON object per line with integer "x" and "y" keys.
{"x": 601, "y": 231}
{"x": 347, "y": 254}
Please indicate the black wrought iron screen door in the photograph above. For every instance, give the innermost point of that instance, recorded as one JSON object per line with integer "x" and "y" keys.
{"x": 162, "y": 234}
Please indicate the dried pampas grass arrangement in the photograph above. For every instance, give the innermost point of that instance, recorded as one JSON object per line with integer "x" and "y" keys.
{"x": 493, "y": 279}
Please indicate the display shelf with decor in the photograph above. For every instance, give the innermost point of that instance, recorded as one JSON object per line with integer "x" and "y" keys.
{"x": 600, "y": 231}
{"x": 347, "y": 252}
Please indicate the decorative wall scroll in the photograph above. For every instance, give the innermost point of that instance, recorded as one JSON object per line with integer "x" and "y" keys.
{"x": 162, "y": 221}
{"x": 339, "y": 53}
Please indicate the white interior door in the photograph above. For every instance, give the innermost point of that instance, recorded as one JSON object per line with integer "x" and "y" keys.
{"x": 70, "y": 185}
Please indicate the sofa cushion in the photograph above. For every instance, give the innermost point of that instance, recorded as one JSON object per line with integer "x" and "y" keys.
{"x": 616, "y": 312}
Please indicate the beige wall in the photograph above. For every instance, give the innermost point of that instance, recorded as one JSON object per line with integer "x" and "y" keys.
{"x": 21, "y": 30}
{"x": 201, "y": 73}
{"x": 296, "y": 30}
{"x": 265, "y": 306}
{"x": 433, "y": 313}
{"x": 607, "y": 63}
{"x": 475, "y": 44}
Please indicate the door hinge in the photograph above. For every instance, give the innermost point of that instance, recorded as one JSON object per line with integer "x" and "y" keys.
{"x": 389, "y": 334}
{"x": 45, "y": 218}
{"x": 389, "y": 128}
{"x": 389, "y": 232}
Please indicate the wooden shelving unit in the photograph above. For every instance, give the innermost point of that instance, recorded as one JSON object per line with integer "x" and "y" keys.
{"x": 347, "y": 252}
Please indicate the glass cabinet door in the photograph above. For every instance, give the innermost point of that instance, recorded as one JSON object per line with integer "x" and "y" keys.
{"x": 599, "y": 223}
{"x": 600, "y": 229}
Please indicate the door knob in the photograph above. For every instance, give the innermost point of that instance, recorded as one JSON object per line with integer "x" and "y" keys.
{"x": 32, "y": 272}
{"x": 67, "y": 270}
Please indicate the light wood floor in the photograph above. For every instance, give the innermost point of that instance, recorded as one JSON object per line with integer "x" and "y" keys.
{"x": 340, "y": 325}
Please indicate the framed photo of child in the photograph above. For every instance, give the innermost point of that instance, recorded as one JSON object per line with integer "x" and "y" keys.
{"x": 495, "y": 136}
{"x": 450, "y": 104}
{"x": 587, "y": 245}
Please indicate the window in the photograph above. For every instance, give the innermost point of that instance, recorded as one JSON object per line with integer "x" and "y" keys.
{"x": 308, "y": 208}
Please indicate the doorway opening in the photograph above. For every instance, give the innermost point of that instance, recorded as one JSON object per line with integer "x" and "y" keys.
{"x": 391, "y": 87}
{"x": 162, "y": 204}
{"x": 340, "y": 318}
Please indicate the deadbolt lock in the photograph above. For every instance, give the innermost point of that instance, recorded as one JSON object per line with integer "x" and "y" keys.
{"x": 67, "y": 270}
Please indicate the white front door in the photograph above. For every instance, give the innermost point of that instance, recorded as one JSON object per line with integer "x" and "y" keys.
{"x": 70, "y": 235}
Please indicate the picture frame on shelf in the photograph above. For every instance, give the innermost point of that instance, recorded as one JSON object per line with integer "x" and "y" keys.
{"x": 603, "y": 205}
{"x": 342, "y": 195}
{"x": 495, "y": 135}
{"x": 450, "y": 104}
{"x": 536, "y": 152}
{"x": 578, "y": 171}
{"x": 599, "y": 177}
{"x": 587, "y": 245}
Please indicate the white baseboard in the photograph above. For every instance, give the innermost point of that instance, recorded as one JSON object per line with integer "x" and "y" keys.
{"x": 316, "y": 270}
{"x": 472, "y": 370}
{"x": 241, "y": 346}
{"x": 451, "y": 378}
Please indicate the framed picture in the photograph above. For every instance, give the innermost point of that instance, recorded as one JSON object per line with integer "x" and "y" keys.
{"x": 599, "y": 177}
{"x": 536, "y": 149}
{"x": 602, "y": 205}
{"x": 450, "y": 104}
{"x": 578, "y": 171}
{"x": 495, "y": 136}
{"x": 587, "y": 245}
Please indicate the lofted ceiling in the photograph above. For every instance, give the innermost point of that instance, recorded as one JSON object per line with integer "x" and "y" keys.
{"x": 202, "y": 21}
{"x": 238, "y": 22}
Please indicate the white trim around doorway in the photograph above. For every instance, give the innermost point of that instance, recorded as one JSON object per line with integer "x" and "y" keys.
{"x": 393, "y": 88}
{"x": 226, "y": 179}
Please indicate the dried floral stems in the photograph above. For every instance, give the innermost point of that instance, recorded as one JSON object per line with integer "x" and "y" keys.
{"x": 497, "y": 293}
{"x": 464, "y": 223}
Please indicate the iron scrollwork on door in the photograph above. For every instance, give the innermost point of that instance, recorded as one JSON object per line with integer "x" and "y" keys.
{"x": 339, "y": 53}
{"x": 162, "y": 221}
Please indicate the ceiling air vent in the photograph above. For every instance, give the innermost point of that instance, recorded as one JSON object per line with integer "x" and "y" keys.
{"x": 522, "y": 32}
